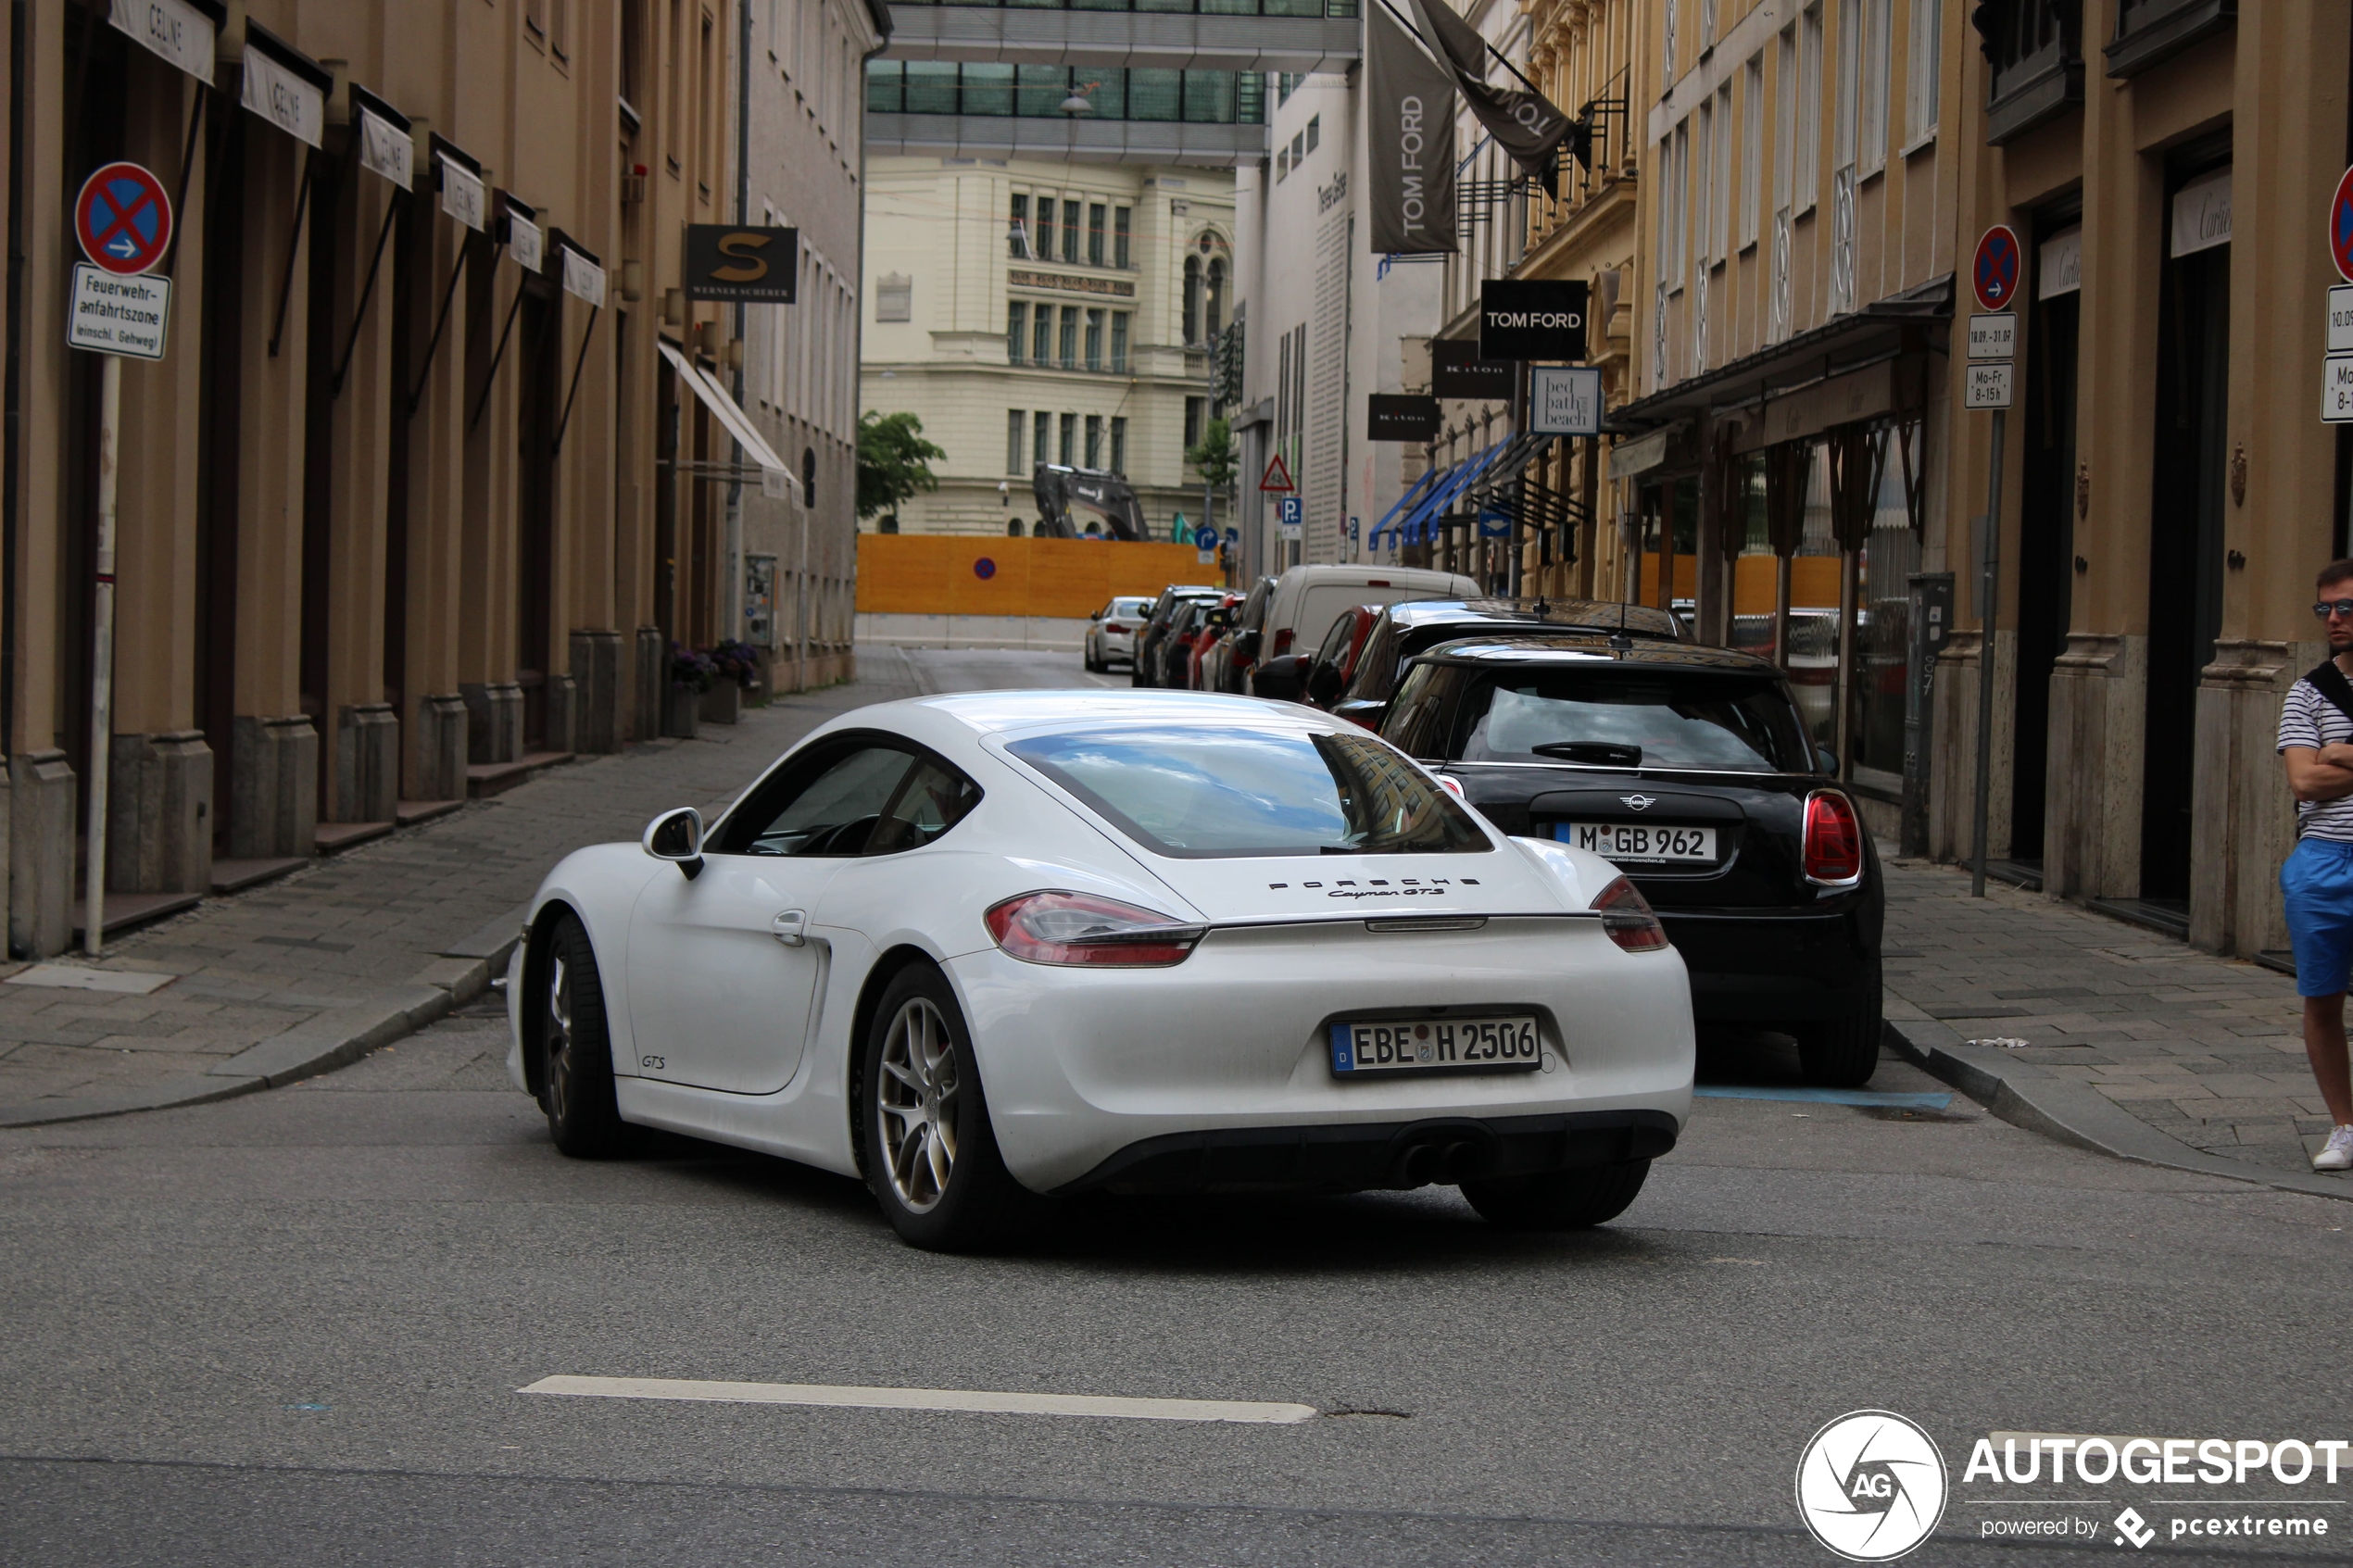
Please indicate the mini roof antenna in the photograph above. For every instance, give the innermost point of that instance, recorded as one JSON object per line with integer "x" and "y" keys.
{"x": 1620, "y": 643}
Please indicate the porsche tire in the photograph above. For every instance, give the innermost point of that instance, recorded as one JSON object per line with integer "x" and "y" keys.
{"x": 931, "y": 1161}
{"x": 577, "y": 1093}
{"x": 1559, "y": 1201}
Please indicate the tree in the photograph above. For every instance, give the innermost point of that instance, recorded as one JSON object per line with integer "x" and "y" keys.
{"x": 1215, "y": 455}
{"x": 894, "y": 460}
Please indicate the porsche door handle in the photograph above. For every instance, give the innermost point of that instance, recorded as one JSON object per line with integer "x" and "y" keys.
{"x": 790, "y": 927}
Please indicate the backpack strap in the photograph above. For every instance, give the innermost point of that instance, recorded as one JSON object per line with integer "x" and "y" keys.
{"x": 2330, "y": 682}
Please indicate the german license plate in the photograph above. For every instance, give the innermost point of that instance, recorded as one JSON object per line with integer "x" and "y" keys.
{"x": 1639, "y": 841}
{"x": 1413, "y": 1044}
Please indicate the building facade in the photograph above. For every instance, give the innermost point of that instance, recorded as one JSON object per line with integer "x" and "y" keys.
{"x": 401, "y": 509}
{"x": 1045, "y": 312}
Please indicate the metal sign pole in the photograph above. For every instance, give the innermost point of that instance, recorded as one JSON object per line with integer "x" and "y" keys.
{"x": 94, "y": 915}
{"x": 1989, "y": 581}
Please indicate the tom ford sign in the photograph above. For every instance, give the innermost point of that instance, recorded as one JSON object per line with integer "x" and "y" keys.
{"x": 1532, "y": 319}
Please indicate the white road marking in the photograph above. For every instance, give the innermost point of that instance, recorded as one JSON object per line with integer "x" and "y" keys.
{"x": 79, "y": 977}
{"x": 1250, "y": 1411}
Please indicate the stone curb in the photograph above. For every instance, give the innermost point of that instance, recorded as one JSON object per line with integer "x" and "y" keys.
{"x": 319, "y": 1044}
{"x": 2026, "y": 1096}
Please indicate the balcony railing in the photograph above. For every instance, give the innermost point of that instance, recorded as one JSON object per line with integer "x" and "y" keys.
{"x": 2035, "y": 50}
{"x": 1339, "y": 8}
{"x": 945, "y": 87}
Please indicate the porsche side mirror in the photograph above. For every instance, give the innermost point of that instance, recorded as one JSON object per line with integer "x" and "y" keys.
{"x": 676, "y": 837}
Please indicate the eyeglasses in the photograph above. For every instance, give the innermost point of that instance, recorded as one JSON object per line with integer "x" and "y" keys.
{"x": 2328, "y": 608}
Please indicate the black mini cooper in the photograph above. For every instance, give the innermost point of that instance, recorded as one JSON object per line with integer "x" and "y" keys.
{"x": 1691, "y": 768}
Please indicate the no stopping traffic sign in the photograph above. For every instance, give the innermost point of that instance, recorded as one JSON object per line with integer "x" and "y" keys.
{"x": 123, "y": 218}
{"x": 1993, "y": 273}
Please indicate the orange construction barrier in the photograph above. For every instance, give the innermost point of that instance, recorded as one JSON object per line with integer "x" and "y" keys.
{"x": 967, "y": 574}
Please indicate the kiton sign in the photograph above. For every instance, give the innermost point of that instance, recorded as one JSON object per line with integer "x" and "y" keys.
{"x": 1531, "y": 320}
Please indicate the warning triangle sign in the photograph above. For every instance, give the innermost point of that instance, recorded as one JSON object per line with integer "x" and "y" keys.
{"x": 1277, "y": 478}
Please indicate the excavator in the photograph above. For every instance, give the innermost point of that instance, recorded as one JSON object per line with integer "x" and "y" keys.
{"x": 1063, "y": 493}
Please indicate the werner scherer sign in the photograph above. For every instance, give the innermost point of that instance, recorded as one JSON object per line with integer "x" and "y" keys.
{"x": 737, "y": 265}
{"x": 1532, "y": 319}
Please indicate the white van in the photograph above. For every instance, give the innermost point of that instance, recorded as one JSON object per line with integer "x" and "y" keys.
{"x": 1291, "y": 613}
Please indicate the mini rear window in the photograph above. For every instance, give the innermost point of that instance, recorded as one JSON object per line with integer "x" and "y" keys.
{"x": 1220, "y": 793}
{"x": 1616, "y": 717}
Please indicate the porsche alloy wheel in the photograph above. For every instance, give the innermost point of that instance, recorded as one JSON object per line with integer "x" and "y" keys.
{"x": 577, "y": 1094}
{"x": 917, "y": 1095}
{"x": 930, "y": 1155}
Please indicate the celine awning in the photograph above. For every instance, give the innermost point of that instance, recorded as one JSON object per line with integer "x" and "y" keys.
{"x": 727, "y": 411}
{"x": 1876, "y": 333}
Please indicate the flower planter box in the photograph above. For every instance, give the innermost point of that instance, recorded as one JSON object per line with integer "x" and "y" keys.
{"x": 723, "y": 703}
{"x": 680, "y": 710}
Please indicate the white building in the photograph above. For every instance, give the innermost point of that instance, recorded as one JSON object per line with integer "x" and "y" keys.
{"x": 1032, "y": 311}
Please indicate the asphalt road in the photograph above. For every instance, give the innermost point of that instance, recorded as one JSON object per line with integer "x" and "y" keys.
{"x": 292, "y": 1328}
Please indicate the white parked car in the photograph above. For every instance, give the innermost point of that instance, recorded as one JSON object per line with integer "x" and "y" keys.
{"x": 1111, "y": 630}
{"x": 1135, "y": 941}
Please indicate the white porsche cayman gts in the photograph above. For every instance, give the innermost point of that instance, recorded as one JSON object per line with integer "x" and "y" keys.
{"x": 1054, "y": 942}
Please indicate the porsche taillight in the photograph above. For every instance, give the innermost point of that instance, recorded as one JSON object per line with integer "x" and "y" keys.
{"x": 1080, "y": 929}
{"x": 1833, "y": 856}
{"x": 1626, "y": 916}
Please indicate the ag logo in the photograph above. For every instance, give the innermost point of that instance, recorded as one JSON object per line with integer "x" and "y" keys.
{"x": 1870, "y": 1485}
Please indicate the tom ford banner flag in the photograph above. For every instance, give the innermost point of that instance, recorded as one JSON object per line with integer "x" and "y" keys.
{"x": 1524, "y": 124}
{"x": 1412, "y": 132}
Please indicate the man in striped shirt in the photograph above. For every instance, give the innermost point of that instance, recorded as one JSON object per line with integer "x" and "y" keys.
{"x": 2316, "y": 744}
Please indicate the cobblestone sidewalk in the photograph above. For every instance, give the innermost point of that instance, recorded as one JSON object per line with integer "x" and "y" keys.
{"x": 366, "y": 936}
{"x": 2206, "y": 1050}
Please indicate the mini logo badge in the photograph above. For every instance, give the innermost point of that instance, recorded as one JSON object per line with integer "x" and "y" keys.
{"x": 2132, "y": 1528}
{"x": 1870, "y": 1485}
{"x": 1639, "y": 802}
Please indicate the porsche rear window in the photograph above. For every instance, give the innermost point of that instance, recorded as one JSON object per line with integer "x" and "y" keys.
{"x": 1218, "y": 793}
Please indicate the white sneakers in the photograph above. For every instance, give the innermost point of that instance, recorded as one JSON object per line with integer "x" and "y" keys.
{"x": 2338, "y": 1155}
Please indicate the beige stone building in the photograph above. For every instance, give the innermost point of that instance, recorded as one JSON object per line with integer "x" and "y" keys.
{"x": 410, "y": 502}
{"x": 1033, "y": 312}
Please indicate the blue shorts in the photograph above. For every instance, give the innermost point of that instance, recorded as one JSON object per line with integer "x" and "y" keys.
{"x": 2316, "y": 883}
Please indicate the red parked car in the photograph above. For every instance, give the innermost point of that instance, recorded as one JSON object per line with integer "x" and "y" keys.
{"x": 1214, "y": 622}
{"x": 1293, "y": 676}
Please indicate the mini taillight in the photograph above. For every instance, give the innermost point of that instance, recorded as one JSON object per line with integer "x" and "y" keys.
{"x": 1626, "y": 915}
{"x": 1282, "y": 643}
{"x": 1833, "y": 840}
{"x": 1078, "y": 928}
